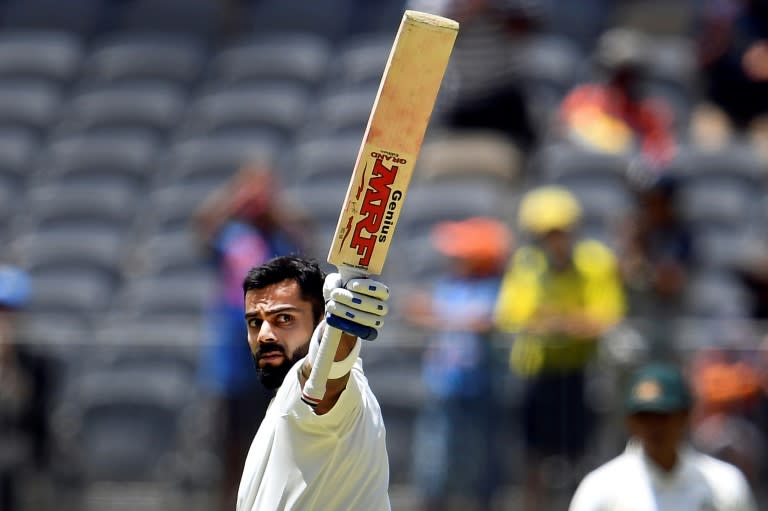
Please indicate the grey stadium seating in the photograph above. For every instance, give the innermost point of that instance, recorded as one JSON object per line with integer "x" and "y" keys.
{"x": 153, "y": 106}
{"x": 79, "y": 206}
{"x": 277, "y": 109}
{"x": 29, "y": 104}
{"x": 79, "y": 16}
{"x": 127, "y": 57}
{"x": 345, "y": 112}
{"x": 285, "y": 57}
{"x": 168, "y": 253}
{"x": 18, "y": 149}
{"x": 360, "y": 61}
{"x": 197, "y": 18}
{"x": 130, "y": 415}
{"x": 100, "y": 157}
{"x": 48, "y": 55}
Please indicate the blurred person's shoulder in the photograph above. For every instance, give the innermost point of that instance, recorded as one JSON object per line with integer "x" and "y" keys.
{"x": 727, "y": 482}
{"x": 594, "y": 258}
{"x": 616, "y": 472}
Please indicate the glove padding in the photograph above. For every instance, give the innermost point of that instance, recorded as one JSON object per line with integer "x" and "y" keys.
{"x": 357, "y": 308}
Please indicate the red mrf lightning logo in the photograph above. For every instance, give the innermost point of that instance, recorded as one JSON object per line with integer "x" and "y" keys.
{"x": 378, "y": 207}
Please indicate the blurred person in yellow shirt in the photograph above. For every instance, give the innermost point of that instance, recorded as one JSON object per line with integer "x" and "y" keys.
{"x": 558, "y": 296}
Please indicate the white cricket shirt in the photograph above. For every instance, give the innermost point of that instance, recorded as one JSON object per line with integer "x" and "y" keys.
{"x": 631, "y": 482}
{"x": 332, "y": 462}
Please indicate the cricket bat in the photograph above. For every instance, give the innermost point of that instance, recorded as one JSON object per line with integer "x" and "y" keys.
{"x": 385, "y": 162}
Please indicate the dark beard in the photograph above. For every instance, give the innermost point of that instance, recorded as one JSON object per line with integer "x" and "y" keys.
{"x": 272, "y": 376}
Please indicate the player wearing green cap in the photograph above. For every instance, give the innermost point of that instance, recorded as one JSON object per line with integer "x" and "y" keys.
{"x": 659, "y": 471}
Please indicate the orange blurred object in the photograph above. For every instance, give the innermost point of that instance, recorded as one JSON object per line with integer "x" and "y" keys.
{"x": 484, "y": 243}
{"x": 722, "y": 384}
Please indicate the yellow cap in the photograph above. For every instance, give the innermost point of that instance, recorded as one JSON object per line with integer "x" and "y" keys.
{"x": 549, "y": 208}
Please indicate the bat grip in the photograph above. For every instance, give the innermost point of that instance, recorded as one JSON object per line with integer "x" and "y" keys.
{"x": 314, "y": 387}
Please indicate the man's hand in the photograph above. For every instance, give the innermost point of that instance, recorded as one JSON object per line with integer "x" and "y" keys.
{"x": 357, "y": 307}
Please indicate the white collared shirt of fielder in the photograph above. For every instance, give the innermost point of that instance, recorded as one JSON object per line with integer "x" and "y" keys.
{"x": 631, "y": 482}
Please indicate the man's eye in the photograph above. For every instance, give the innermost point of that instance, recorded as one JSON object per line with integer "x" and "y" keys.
{"x": 284, "y": 318}
{"x": 254, "y": 323}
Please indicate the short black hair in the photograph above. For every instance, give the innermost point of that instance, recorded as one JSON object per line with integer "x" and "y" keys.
{"x": 304, "y": 271}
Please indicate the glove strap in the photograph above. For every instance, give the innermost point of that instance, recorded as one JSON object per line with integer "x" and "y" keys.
{"x": 342, "y": 367}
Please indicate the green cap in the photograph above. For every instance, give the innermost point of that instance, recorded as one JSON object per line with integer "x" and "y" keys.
{"x": 658, "y": 388}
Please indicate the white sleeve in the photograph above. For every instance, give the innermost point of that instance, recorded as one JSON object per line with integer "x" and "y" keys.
{"x": 587, "y": 496}
{"x": 742, "y": 498}
{"x": 347, "y": 407}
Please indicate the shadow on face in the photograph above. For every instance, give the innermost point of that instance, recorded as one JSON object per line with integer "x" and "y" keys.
{"x": 659, "y": 433}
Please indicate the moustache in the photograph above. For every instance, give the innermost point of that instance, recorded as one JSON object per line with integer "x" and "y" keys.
{"x": 269, "y": 348}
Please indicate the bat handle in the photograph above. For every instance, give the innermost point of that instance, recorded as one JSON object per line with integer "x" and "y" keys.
{"x": 314, "y": 387}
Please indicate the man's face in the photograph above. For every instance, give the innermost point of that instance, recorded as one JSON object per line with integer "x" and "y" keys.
{"x": 659, "y": 433}
{"x": 280, "y": 323}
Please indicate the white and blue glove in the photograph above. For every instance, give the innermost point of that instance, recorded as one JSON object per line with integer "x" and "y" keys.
{"x": 357, "y": 307}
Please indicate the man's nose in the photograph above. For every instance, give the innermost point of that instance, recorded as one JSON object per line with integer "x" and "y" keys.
{"x": 266, "y": 333}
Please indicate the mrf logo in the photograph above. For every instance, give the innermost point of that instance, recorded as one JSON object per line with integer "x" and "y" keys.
{"x": 378, "y": 206}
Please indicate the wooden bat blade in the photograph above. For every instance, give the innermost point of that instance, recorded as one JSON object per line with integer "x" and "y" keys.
{"x": 392, "y": 140}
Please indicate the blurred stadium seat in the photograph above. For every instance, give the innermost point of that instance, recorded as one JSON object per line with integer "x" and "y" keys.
{"x": 716, "y": 294}
{"x": 198, "y": 18}
{"x": 328, "y": 19}
{"x": 79, "y": 294}
{"x": 29, "y": 104}
{"x": 210, "y": 160}
{"x": 360, "y": 60}
{"x": 281, "y": 57}
{"x": 168, "y": 253}
{"x": 72, "y": 248}
{"x": 124, "y": 106}
{"x": 345, "y": 112}
{"x": 127, "y": 57}
{"x": 80, "y": 206}
{"x": 103, "y": 157}
{"x": 169, "y": 208}
{"x": 183, "y": 294}
{"x": 47, "y": 55}
{"x": 80, "y": 16}
{"x": 547, "y": 67}
{"x": 18, "y": 149}
{"x": 276, "y": 109}
{"x": 324, "y": 159}
{"x": 130, "y": 415}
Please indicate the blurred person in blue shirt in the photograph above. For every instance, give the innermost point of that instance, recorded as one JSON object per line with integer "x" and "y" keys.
{"x": 243, "y": 224}
{"x": 23, "y": 393}
{"x": 657, "y": 256}
{"x": 454, "y": 440}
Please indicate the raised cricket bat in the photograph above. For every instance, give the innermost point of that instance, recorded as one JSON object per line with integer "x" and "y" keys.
{"x": 385, "y": 162}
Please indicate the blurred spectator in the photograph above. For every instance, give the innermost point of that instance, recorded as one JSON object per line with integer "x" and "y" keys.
{"x": 656, "y": 257}
{"x": 752, "y": 270}
{"x": 726, "y": 417}
{"x": 616, "y": 116}
{"x": 23, "y": 394}
{"x": 659, "y": 471}
{"x": 559, "y": 296}
{"x": 455, "y": 446}
{"x": 243, "y": 224}
{"x": 733, "y": 42}
{"x": 482, "y": 85}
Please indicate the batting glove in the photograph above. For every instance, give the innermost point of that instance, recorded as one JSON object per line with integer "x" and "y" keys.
{"x": 357, "y": 307}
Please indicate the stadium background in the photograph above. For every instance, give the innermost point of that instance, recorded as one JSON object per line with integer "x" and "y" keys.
{"x": 118, "y": 117}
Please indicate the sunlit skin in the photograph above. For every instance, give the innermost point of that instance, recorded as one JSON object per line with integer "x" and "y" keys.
{"x": 660, "y": 434}
{"x": 280, "y": 324}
